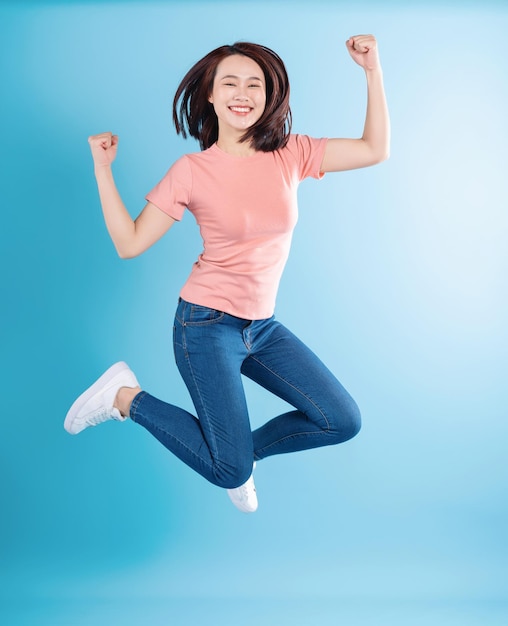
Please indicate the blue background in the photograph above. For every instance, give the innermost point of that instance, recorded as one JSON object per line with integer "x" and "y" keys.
{"x": 397, "y": 279}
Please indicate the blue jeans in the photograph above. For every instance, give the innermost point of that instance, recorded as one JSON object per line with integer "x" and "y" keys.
{"x": 213, "y": 350}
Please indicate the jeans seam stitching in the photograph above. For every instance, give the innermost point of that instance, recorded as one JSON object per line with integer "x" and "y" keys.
{"x": 173, "y": 437}
{"x": 296, "y": 389}
{"x": 289, "y": 437}
{"x": 213, "y": 443}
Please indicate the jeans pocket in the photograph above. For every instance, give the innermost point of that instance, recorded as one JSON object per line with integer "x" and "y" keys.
{"x": 198, "y": 315}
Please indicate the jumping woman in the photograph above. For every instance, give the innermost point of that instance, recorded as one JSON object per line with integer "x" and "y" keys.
{"x": 241, "y": 189}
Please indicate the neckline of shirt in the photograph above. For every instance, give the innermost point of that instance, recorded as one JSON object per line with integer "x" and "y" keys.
{"x": 249, "y": 157}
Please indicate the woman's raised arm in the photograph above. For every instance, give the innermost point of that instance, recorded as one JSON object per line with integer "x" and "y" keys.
{"x": 130, "y": 237}
{"x": 374, "y": 145}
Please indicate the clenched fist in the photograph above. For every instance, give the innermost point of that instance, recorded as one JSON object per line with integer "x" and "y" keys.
{"x": 103, "y": 147}
{"x": 363, "y": 50}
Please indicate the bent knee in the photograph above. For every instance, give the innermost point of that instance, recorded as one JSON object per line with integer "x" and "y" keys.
{"x": 347, "y": 423}
{"x": 233, "y": 477}
{"x": 355, "y": 424}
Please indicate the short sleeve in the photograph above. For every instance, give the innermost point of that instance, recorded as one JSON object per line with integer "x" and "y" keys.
{"x": 309, "y": 153}
{"x": 173, "y": 193}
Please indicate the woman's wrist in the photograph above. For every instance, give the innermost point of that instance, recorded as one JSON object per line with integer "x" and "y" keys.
{"x": 374, "y": 71}
{"x": 103, "y": 170}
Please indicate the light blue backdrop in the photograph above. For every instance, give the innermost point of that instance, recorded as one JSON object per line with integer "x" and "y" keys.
{"x": 397, "y": 279}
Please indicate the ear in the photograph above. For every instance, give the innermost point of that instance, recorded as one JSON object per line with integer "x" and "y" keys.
{"x": 210, "y": 99}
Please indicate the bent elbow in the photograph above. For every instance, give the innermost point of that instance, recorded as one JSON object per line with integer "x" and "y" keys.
{"x": 381, "y": 156}
{"x": 126, "y": 253}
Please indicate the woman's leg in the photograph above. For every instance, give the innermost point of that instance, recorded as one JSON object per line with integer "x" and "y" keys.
{"x": 325, "y": 413}
{"x": 209, "y": 352}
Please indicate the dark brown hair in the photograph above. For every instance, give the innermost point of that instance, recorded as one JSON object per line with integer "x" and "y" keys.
{"x": 194, "y": 115}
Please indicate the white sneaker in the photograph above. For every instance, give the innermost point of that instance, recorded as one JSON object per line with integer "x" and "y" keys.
{"x": 244, "y": 497}
{"x": 95, "y": 405}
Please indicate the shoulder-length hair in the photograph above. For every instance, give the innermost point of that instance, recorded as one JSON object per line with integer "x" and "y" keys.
{"x": 194, "y": 115}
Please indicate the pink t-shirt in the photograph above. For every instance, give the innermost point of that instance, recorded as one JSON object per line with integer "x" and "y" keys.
{"x": 246, "y": 210}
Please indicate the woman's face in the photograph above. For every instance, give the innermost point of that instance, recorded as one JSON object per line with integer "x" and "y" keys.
{"x": 238, "y": 94}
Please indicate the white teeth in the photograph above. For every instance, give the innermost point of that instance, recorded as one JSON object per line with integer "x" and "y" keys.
{"x": 240, "y": 109}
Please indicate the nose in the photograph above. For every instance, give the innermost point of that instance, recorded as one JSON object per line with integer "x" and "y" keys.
{"x": 241, "y": 92}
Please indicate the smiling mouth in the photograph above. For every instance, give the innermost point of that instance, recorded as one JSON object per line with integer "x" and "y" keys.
{"x": 242, "y": 110}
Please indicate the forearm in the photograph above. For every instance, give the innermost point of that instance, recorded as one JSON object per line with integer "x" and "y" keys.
{"x": 376, "y": 132}
{"x": 120, "y": 225}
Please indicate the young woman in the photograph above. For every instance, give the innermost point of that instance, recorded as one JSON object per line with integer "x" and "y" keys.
{"x": 241, "y": 188}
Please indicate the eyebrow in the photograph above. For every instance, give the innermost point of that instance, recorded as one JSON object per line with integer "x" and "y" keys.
{"x": 233, "y": 76}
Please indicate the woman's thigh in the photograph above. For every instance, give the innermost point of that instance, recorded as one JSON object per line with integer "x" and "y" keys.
{"x": 209, "y": 352}
{"x": 285, "y": 366}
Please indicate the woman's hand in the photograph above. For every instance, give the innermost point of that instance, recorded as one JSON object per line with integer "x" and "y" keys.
{"x": 363, "y": 50}
{"x": 103, "y": 147}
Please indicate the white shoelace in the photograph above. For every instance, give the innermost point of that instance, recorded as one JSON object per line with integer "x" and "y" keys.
{"x": 99, "y": 416}
{"x": 247, "y": 489}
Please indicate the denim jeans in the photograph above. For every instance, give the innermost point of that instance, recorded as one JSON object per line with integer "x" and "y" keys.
{"x": 213, "y": 350}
